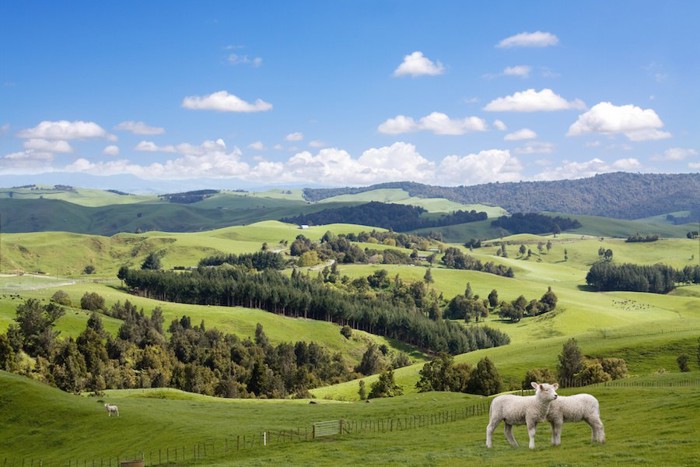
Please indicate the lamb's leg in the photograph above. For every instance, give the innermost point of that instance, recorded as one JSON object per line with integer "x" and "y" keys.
{"x": 531, "y": 430}
{"x": 597, "y": 430}
{"x": 556, "y": 433}
{"x": 509, "y": 435}
{"x": 489, "y": 432}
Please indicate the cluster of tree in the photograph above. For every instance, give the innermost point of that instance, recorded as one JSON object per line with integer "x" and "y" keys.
{"x": 620, "y": 195}
{"x": 469, "y": 306}
{"x": 397, "y": 217}
{"x": 658, "y": 278}
{"x": 514, "y": 311}
{"x": 455, "y": 259}
{"x": 573, "y": 369}
{"x": 535, "y": 223}
{"x": 388, "y": 237}
{"x": 259, "y": 260}
{"x": 442, "y": 374}
{"x": 639, "y": 238}
{"x": 398, "y": 317}
{"x": 188, "y": 197}
{"x": 194, "y": 359}
{"x": 692, "y": 235}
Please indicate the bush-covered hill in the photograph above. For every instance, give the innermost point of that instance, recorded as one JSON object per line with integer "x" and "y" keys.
{"x": 620, "y": 195}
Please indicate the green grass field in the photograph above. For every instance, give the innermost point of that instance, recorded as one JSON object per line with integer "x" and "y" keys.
{"x": 648, "y": 331}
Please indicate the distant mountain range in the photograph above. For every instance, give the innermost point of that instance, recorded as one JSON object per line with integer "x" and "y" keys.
{"x": 619, "y": 195}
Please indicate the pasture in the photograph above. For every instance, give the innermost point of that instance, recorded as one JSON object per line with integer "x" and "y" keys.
{"x": 648, "y": 331}
{"x": 653, "y": 422}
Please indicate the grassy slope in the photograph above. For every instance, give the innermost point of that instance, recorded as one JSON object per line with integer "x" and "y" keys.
{"x": 398, "y": 196}
{"x": 41, "y": 423}
{"x": 649, "y": 331}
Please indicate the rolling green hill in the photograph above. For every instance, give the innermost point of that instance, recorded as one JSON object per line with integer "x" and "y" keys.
{"x": 649, "y": 331}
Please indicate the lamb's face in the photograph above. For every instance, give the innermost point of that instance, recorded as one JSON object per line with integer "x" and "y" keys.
{"x": 546, "y": 391}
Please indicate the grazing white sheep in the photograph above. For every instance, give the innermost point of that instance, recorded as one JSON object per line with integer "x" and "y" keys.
{"x": 574, "y": 409}
{"x": 520, "y": 410}
{"x": 112, "y": 409}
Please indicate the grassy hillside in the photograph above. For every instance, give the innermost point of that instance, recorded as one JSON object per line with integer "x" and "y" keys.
{"x": 47, "y": 426}
{"x": 649, "y": 331}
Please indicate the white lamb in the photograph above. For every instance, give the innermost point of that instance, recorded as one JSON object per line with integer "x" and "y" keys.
{"x": 574, "y": 409}
{"x": 520, "y": 410}
{"x": 112, "y": 409}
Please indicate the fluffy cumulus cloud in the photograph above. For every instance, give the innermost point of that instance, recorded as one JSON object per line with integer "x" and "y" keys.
{"x": 111, "y": 150}
{"x": 139, "y": 128}
{"x": 46, "y": 145}
{"x": 524, "y": 133}
{"x": 635, "y": 123}
{"x": 417, "y": 64}
{"x": 530, "y": 100}
{"x": 27, "y": 161}
{"x": 499, "y": 125}
{"x": 521, "y": 71}
{"x": 572, "y": 170}
{"x": 437, "y": 123}
{"x": 529, "y": 39}
{"x": 150, "y": 146}
{"x": 211, "y": 159}
{"x": 296, "y": 136}
{"x": 65, "y": 130}
{"x": 675, "y": 154}
{"x": 222, "y": 101}
{"x": 485, "y": 166}
{"x": 257, "y": 145}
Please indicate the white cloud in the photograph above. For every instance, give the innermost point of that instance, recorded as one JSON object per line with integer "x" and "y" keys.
{"x": 572, "y": 170}
{"x": 139, "y": 128}
{"x": 675, "y": 154}
{"x": 235, "y": 59}
{"x": 533, "y": 101}
{"x": 211, "y": 159}
{"x": 222, "y": 101}
{"x": 4, "y": 128}
{"x": 65, "y": 130}
{"x": 535, "y": 147}
{"x": 635, "y": 123}
{"x": 111, "y": 150}
{"x": 499, "y": 125}
{"x": 416, "y": 64}
{"x": 150, "y": 146}
{"x": 694, "y": 165}
{"x": 296, "y": 136}
{"x": 46, "y": 145}
{"x": 257, "y": 145}
{"x": 28, "y": 161}
{"x": 522, "y": 71}
{"x": 317, "y": 144}
{"x": 437, "y": 122}
{"x": 486, "y": 166}
{"x": 529, "y": 39}
{"x": 524, "y": 133}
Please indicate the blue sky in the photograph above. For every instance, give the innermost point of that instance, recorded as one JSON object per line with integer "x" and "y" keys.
{"x": 341, "y": 93}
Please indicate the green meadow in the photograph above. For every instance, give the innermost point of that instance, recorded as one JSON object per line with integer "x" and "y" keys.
{"x": 652, "y": 419}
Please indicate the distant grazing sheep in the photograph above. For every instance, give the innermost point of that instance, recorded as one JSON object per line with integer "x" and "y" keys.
{"x": 574, "y": 409}
{"x": 520, "y": 410}
{"x": 112, "y": 409}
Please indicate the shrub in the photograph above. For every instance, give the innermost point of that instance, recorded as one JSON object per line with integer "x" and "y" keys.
{"x": 61, "y": 297}
{"x": 615, "y": 367}
{"x": 92, "y": 302}
{"x": 538, "y": 375}
{"x": 682, "y": 361}
{"x": 591, "y": 374}
{"x": 346, "y": 331}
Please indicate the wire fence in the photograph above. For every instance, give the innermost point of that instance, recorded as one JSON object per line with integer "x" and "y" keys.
{"x": 229, "y": 447}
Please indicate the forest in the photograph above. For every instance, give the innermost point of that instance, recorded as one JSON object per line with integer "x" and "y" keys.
{"x": 620, "y": 195}
{"x": 401, "y": 312}
{"x": 659, "y": 278}
{"x": 397, "y": 217}
{"x": 535, "y": 223}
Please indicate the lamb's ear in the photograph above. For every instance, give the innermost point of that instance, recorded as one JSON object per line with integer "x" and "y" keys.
{"x": 555, "y": 386}
{"x": 535, "y": 385}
